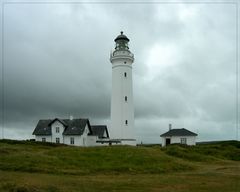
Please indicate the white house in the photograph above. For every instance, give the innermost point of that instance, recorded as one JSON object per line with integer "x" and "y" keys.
{"x": 181, "y": 136}
{"x": 76, "y": 132}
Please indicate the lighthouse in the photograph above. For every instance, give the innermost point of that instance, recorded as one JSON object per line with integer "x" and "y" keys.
{"x": 122, "y": 108}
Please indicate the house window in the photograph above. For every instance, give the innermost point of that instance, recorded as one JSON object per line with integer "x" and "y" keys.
{"x": 43, "y": 139}
{"x": 183, "y": 140}
{"x": 126, "y": 98}
{"x": 126, "y": 122}
{"x": 125, "y": 74}
{"x": 72, "y": 140}
{"x": 57, "y": 129}
{"x": 57, "y": 140}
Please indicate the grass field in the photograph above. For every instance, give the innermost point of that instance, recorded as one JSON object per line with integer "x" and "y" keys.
{"x": 39, "y": 167}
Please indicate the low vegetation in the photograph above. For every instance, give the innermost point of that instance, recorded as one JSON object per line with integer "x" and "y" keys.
{"x": 35, "y": 166}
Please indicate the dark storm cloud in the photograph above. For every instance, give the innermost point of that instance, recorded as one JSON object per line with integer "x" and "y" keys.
{"x": 51, "y": 69}
{"x": 57, "y": 64}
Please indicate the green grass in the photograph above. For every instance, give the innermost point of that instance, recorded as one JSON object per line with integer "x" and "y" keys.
{"x": 226, "y": 150}
{"x": 62, "y": 159}
{"x": 35, "y": 166}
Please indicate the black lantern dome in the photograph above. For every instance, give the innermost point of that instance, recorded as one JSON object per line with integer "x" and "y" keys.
{"x": 121, "y": 37}
{"x": 121, "y": 42}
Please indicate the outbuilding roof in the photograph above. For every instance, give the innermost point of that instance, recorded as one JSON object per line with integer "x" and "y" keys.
{"x": 178, "y": 132}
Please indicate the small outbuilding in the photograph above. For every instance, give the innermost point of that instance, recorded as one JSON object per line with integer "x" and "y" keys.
{"x": 181, "y": 136}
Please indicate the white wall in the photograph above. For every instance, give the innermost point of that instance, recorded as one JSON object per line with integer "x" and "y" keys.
{"x": 57, "y": 135}
{"x": 78, "y": 140}
{"x": 47, "y": 137}
{"x": 191, "y": 140}
{"x": 122, "y": 110}
{"x": 105, "y": 133}
{"x": 91, "y": 140}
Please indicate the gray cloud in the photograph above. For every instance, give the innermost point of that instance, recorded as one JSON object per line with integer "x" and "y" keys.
{"x": 57, "y": 64}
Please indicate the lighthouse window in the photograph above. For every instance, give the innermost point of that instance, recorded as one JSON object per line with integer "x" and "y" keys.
{"x": 125, "y": 62}
{"x": 125, "y": 74}
{"x": 126, "y": 122}
{"x": 125, "y": 98}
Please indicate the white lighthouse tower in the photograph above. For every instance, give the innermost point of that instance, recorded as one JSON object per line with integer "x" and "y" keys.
{"x": 122, "y": 109}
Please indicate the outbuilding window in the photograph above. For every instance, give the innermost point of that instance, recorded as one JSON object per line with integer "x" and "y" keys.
{"x": 125, "y": 74}
{"x": 183, "y": 140}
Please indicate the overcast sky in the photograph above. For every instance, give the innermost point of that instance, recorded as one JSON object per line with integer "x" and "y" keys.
{"x": 56, "y": 64}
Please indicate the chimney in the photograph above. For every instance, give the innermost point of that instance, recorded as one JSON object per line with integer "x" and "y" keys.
{"x": 170, "y": 126}
{"x": 71, "y": 117}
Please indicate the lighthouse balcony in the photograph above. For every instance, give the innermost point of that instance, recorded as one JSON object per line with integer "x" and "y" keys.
{"x": 122, "y": 55}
